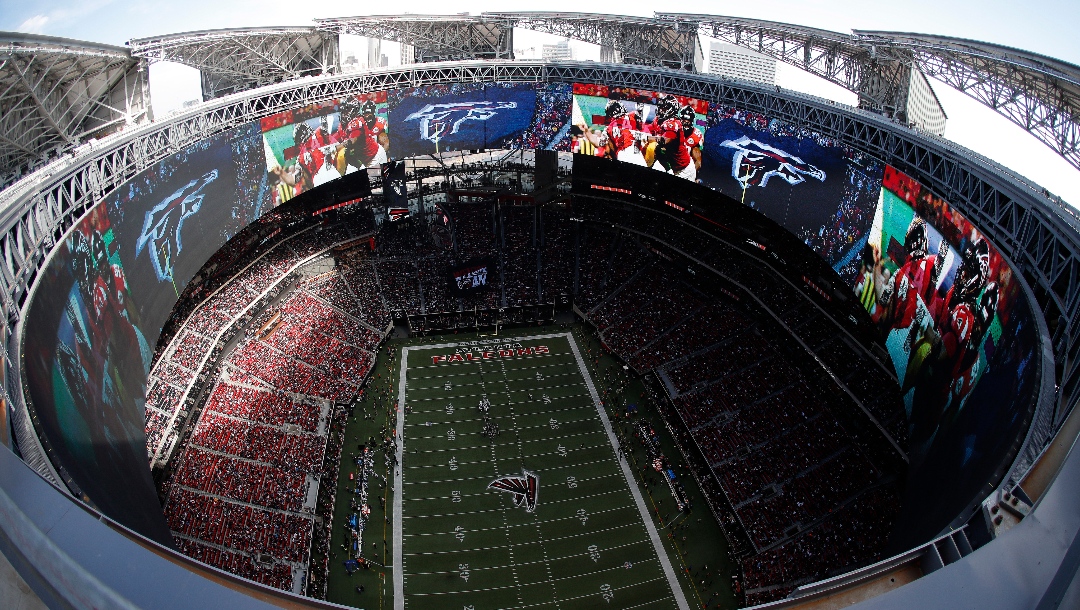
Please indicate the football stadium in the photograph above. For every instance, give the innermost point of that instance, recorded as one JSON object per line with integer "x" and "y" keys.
{"x": 485, "y": 332}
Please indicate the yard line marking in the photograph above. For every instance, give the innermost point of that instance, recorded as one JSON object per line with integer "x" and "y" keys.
{"x": 488, "y": 529}
{"x": 537, "y": 470}
{"x": 531, "y": 400}
{"x": 488, "y": 510}
{"x": 474, "y": 419}
{"x": 465, "y": 385}
{"x": 535, "y": 440}
{"x": 640, "y": 582}
{"x": 643, "y": 541}
{"x": 531, "y": 542}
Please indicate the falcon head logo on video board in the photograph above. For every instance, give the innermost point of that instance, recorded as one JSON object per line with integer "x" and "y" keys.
{"x": 440, "y": 120}
{"x": 164, "y": 223}
{"x": 754, "y": 163}
{"x": 524, "y": 488}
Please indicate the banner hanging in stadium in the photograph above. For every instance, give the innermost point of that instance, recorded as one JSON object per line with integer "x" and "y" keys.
{"x": 472, "y": 275}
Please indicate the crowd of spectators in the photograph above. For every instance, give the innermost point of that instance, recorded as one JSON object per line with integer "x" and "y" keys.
{"x": 848, "y": 227}
{"x": 643, "y": 310}
{"x": 557, "y": 254}
{"x": 242, "y": 480}
{"x": 238, "y": 490}
{"x": 400, "y": 283}
{"x": 550, "y": 119}
{"x": 594, "y": 264}
{"x": 434, "y": 284}
{"x": 292, "y": 450}
{"x": 239, "y": 527}
{"x": 853, "y": 536}
{"x": 783, "y": 466}
{"x": 264, "y": 406}
{"x": 275, "y": 574}
{"x": 519, "y": 254}
{"x": 783, "y": 463}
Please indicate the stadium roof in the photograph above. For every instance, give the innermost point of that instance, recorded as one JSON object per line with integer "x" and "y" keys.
{"x": 56, "y": 92}
{"x": 237, "y": 59}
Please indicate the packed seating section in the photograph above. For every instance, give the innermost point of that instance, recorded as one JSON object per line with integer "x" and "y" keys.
{"x": 794, "y": 481}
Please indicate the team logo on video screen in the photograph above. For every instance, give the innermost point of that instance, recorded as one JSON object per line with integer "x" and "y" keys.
{"x": 163, "y": 224}
{"x": 524, "y": 488}
{"x": 754, "y": 163}
{"x": 440, "y": 120}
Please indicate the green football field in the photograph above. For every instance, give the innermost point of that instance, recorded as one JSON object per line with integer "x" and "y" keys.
{"x": 459, "y": 543}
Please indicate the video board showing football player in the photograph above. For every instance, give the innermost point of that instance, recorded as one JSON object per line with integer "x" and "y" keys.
{"x": 436, "y": 119}
{"x": 172, "y": 217}
{"x": 645, "y": 128}
{"x": 310, "y": 146}
{"x": 104, "y": 297}
{"x": 821, "y": 191}
{"x": 961, "y": 337}
{"x": 86, "y": 361}
{"x": 940, "y": 293}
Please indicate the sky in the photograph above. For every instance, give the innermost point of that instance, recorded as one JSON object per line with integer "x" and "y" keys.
{"x": 1041, "y": 26}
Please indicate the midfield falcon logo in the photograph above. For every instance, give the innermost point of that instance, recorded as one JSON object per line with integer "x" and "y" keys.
{"x": 164, "y": 222}
{"x": 754, "y": 163}
{"x": 524, "y": 488}
{"x": 436, "y": 119}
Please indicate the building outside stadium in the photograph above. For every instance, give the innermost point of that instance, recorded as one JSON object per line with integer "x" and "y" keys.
{"x": 953, "y": 314}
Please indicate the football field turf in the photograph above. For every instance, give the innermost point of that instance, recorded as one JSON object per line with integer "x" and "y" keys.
{"x": 564, "y": 526}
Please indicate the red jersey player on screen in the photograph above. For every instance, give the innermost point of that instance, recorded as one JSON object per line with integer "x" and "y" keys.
{"x": 694, "y": 137}
{"x": 363, "y": 134}
{"x": 309, "y": 151}
{"x": 913, "y": 283}
{"x": 674, "y": 155}
{"x": 622, "y": 130}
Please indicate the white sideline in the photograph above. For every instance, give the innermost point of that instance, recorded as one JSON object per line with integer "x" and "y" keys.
{"x": 646, "y": 518}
